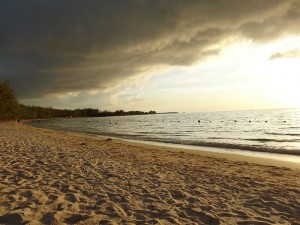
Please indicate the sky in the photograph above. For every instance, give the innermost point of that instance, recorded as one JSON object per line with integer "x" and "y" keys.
{"x": 163, "y": 55}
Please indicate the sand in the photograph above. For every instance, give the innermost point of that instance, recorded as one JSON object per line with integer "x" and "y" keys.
{"x": 49, "y": 177}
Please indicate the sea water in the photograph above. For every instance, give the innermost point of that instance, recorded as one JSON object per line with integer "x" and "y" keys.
{"x": 275, "y": 131}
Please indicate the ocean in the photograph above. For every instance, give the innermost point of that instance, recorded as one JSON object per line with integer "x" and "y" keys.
{"x": 275, "y": 131}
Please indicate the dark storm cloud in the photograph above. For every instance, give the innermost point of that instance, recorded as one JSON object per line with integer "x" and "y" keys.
{"x": 57, "y": 46}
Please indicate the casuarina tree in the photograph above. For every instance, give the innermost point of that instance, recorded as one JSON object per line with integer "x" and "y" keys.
{"x": 8, "y": 102}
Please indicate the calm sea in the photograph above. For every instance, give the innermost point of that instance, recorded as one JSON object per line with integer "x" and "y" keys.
{"x": 255, "y": 130}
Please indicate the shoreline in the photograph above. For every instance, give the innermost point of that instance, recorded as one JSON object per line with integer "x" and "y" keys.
{"x": 261, "y": 158}
{"x": 52, "y": 177}
{"x": 223, "y": 147}
{"x": 268, "y": 159}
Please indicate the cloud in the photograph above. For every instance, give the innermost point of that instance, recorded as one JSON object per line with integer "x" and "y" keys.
{"x": 289, "y": 54}
{"x": 50, "y": 47}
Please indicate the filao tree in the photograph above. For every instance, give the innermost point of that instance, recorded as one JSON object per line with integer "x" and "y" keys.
{"x": 10, "y": 109}
{"x": 8, "y": 102}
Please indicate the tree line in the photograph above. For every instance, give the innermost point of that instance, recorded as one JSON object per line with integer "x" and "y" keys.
{"x": 10, "y": 108}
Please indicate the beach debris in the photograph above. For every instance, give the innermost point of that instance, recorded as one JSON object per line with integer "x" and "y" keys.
{"x": 108, "y": 139}
{"x": 83, "y": 143}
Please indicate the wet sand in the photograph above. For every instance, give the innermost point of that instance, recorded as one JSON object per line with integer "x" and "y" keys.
{"x": 49, "y": 177}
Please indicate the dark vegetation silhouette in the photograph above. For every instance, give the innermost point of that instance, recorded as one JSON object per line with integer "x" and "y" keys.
{"x": 10, "y": 109}
{"x": 8, "y": 103}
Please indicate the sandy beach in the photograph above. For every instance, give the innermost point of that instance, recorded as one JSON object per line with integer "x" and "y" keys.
{"x": 49, "y": 177}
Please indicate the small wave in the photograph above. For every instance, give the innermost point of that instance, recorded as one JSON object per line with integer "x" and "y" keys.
{"x": 254, "y": 148}
{"x": 272, "y": 140}
{"x": 222, "y": 138}
{"x": 180, "y": 135}
{"x": 288, "y": 128}
{"x": 283, "y": 134}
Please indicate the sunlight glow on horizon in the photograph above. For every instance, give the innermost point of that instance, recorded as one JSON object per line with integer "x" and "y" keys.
{"x": 241, "y": 77}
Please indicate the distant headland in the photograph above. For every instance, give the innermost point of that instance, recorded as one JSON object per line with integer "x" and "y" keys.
{"x": 10, "y": 108}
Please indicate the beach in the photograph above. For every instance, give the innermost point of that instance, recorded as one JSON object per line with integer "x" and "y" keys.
{"x": 52, "y": 177}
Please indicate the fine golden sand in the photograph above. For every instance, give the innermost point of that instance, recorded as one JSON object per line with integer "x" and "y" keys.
{"x": 49, "y": 177}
